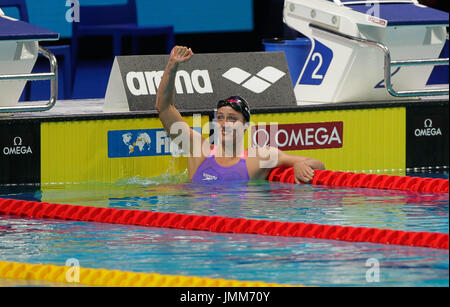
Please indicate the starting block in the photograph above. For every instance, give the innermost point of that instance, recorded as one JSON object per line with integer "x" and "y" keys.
{"x": 367, "y": 50}
{"x": 19, "y": 48}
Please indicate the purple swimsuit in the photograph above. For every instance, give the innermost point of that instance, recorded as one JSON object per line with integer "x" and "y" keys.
{"x": 210, "y": 171}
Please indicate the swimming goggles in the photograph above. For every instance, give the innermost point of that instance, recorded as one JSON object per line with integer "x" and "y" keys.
{"x": 238, "y": 104}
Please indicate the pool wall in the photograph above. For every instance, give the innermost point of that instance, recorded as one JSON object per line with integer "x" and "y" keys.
{"x": 105, "y": 147}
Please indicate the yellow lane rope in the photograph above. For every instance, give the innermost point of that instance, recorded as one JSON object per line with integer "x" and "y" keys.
{"x": 113, "y": 278}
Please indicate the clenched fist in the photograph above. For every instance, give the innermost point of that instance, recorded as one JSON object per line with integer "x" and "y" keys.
{"x": 180, "y": 54}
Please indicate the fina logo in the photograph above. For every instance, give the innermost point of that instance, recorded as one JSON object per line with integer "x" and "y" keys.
{"x": 428, "y": 129}
{"x": 147, "y": 82}
{"x": 17, "y": 148}
{"x": 140, "y": 143}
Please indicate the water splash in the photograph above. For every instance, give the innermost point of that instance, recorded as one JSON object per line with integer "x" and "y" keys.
{"x": 163, "y": 179}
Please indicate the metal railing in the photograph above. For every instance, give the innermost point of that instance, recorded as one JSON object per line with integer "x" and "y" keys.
{"x": 388, "y": 64}
{"x": 52, "y": 76}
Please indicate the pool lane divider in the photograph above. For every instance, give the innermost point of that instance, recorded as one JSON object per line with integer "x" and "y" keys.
{"x": 218, "y": 224}
{"x": 114, "y": 278}
{"x": 359, "y": 180}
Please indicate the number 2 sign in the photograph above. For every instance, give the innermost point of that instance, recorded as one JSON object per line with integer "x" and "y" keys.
{"x": 318, "y": 65}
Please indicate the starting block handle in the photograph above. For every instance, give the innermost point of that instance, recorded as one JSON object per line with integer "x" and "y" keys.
{"x": 52, "y": 76}
{"x": 441, "y": 61}
{"x": 388, "y": 64}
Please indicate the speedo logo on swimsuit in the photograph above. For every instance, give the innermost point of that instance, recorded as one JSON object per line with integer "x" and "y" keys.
{"x": 208, "y": 177}
{"x": 258, "y": 83}
{"x": 141, "y": 83}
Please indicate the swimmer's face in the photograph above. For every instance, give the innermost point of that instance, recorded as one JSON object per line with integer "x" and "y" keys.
{"x": 231, "y": 124}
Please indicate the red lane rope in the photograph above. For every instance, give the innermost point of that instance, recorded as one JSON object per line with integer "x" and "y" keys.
{"x": 221, "y": 224}
{"x": 346, "y": 179}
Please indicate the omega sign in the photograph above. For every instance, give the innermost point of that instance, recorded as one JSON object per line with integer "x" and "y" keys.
{"x": 428, "y": 129}
{"x": 17, "y": 148}
{"x": 300, "y": 136}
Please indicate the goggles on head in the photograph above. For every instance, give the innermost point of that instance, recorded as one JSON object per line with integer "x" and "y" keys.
{"x": 238, "y": 104}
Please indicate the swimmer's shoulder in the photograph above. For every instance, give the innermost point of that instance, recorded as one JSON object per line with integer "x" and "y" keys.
{"x": 261, "y": 153}
{"x": 256, "y": 158}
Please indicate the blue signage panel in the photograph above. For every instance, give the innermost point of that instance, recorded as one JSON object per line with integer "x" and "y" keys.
{"x": 141, "y": 143}
{"x": 137, "y": 143}
{"x": 318, "y": 65}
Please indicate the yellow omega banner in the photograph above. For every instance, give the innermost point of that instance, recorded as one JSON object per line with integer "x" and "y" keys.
{"x": 360, "y": 140}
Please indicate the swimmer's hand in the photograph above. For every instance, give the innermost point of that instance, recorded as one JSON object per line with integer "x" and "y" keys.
{"x": 303, "y": 172}
{"x": 180, "y": 54}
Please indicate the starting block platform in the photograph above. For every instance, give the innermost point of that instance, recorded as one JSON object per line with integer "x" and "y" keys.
{"x": 367, "y": 50}
{"x": 398, "y": 13}
{"x": 16, "y": 30}
{"x": 19, "y": 49}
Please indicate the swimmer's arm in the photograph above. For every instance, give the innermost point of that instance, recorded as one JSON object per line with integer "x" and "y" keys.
{"x": 271, "y": 157}
{"x": 165, "y": 97}
{"x": 172, "y": 121}
{"x": 303, "y": 166}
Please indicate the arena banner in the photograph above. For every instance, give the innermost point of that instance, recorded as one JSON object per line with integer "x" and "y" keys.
{"x": 262, "y": 78}
{"x": 20, "y": 153}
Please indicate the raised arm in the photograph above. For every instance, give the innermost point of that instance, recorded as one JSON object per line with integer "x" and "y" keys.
{"x": 165, "y": 99}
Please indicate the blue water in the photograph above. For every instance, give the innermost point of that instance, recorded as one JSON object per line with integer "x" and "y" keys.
{"x": 237, "y": 256}
{"x": 230, "y": 256}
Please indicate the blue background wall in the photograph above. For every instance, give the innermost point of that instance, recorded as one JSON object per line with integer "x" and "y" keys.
{"x": 187, "y": 16}
{"x": 205, "y": 25}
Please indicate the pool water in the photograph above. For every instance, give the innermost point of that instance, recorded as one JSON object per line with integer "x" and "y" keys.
{"x": 281, "y": 260}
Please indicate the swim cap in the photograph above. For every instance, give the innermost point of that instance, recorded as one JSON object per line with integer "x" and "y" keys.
{"x": 238, "y": 104}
